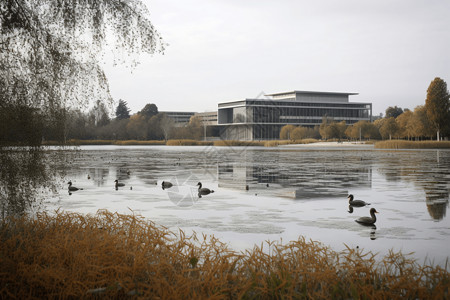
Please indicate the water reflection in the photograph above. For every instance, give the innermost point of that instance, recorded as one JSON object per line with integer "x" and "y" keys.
{"x": 27, "y": 176}
{"x": 429, "y": 172}
{"x": 306, "y": 175}
{"x": 437, "y": 203}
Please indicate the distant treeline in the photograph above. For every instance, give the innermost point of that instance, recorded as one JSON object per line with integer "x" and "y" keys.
{"x": 22, "y": 124}
{"x": 398, "y": 124}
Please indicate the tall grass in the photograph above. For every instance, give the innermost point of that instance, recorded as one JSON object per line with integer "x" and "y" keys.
{"x": 108, "y": 255}
{"x": 275, "y": 143}
{"x": 238, "y": 143}
{"x": 188, "y": 142}
{"x": 400, "y": 144}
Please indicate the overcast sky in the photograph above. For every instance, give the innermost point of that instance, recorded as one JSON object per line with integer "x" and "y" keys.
{"x": 388, "y": 51}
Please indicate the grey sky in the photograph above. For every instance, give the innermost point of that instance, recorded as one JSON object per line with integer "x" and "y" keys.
{"x": 388, "y": 51}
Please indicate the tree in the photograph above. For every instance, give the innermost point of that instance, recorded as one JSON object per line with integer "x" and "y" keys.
{"x": 51, "y": 51}
{"x": 420, "y": 124}
{"x": 122, "y": 110}
{"x": 393, "y": 112}
{"x": 326, "y": 130}
{"x": 437, "y": 105}
{"x": 388, "y": 128}
{"x": 166, "y": 125}
{"x": 285, "y": 132}
{"x": 404, "y": 123}
{"x": 98, "y": 115}
{"x": 149, "y": 110}
{"x": 137, "y": 127}
{"x": 340, "y": 129}
{"x": 299, "y": 133}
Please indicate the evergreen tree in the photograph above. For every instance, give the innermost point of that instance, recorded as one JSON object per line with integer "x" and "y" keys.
{"x": 122, "y": 110}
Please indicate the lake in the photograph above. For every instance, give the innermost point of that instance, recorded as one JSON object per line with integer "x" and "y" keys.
{"x": 275, "y": 194}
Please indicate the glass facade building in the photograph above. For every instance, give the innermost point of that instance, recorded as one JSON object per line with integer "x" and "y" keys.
{"x": 262, "y": 119}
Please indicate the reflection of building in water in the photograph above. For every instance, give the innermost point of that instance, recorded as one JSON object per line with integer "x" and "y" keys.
{"x": 299, "y": 181}
{"x": 437, "y": 203}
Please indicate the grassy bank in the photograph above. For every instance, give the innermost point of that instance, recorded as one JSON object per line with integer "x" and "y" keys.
{"x": 400, "y": 144}
{"x": 187, "y": 142}
{"x": 117, "y": 256}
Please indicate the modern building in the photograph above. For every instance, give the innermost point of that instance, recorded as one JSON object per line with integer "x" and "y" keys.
{"x": 207, "y": 118}
{"x": 262, "y": 119}
{"x": 180, "y": 117}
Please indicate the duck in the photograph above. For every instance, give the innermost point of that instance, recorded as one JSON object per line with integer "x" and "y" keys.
{"x": 166, "y": 185}
{"x": 368, "y": 220}
{"x": 118, "y": 183}
{"x": 357, "y": 203}
{"x": 203, "y": 191}
{"x": 72, "y": 188}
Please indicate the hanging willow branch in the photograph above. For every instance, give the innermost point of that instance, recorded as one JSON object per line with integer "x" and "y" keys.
{"x": 50, "y": 50}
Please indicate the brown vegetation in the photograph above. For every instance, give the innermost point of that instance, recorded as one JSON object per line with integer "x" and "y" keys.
{"x": 188, "y": 142}
{"x": 238, "y": 143}
{"x": 108, "y": 255}
{"x": 401, "y": 144}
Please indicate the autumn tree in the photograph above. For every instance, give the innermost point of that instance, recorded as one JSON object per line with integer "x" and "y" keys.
{"x": 437, "y": 105}
{"x": 285, "y": 132}
{"x": 137, "y": 127}
{"x": 405, "y": 124}
{"x": 299, "y": 133}
{"x": 421, "y": 126}
{"x": 388, "y": 128}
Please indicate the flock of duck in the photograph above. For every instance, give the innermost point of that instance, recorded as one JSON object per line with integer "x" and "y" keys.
{"x": 165, "y": 185}
{"x": 206, "y": 191}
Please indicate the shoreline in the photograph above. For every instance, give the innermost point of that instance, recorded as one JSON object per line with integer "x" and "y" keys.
{"x": 331, "y": 144}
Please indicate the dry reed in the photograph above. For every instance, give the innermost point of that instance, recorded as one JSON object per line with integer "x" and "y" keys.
{"x": 400, "y": 144}
{"x": 110, "y": 255}
{"x": 232, "y": 143}
{"x": 188, "y": 142}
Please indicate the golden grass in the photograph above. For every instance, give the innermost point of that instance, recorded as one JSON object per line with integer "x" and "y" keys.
{"x": 238, "y": 143}
{"x": 400, "y": 144}
{"x": 187, "y": 142}
{"x": 69, "y": 255}
{"x": 136, "y": 142}
{"x": 275, "y": 143}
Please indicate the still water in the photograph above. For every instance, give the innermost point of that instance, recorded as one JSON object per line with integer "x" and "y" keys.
{"x": 273, "y": 193}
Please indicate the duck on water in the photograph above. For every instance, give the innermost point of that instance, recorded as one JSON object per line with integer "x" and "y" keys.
{"x": 368, "y": 220}
{"x": 203, "y": 191}
{"x": 356, "y": 203}
{"x": 118, "y": 184}
{"x": 166, "y": 185}
{"x": 72, "y": 188}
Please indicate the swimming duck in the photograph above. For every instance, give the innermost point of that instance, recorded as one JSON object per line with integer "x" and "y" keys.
{"x": 357, "y": 203}
{"x": 72, "y": 188}
{"x": 166, "y": 185}
{"x": 118, "y": 183}
{"x": 203, "y": 191}
{"x": 368, "y": 220}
